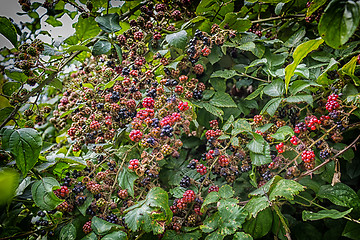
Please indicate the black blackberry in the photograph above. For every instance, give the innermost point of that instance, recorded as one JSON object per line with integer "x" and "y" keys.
{"x": 97, "y": 196}
{"x": 340, "y": 126}
{"x": 185, "y": 182}
{"x": 78, "y": 188}
{"x": 267, "y": 175}
{"x": 67, "y": 180}
{"x": 324, "y": 154}
{"x": 133, "y": 89}
{"x": 198, "y": 34}
{"x": 202, "y": 179}
{"x": 42, "y": 232}
{"x": 167, "y": 131}
{"x": 90, "y": 212}
{"x": 123, "y": 113}
{"x": 80, "y": 200}
{"x": 41, "y": 214}
{"x": 167, "y": 71}
{"x": 115, "y": 97}
{"x": 302, "y": 126}
{"x": 145, "y": 181}
{"x": 332, "y": 74}
{"x": 112, "y": 218}
{"x": 151, "y": 93}
{"x": 191, "y": 165}
{"x": 155, "y": 122}
{"x": 197, "y": 94}
{"x": 245, "y": 167}
{"x": 282, "y": 112}
{"x": 76, "y": 174}
{"x": 293, "y": 115}
{"x": 100, "y": 106}
{"x": 125, "y": 71}
{"x": 334, "y": 114}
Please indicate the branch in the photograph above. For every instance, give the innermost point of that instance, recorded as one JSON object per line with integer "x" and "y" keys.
{"x": 278, "y": 17}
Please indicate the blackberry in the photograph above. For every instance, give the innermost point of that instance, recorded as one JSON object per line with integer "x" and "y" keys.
{"x": 90, "y": 212}
{"x": 198, "y": 34}
{"x": 41, "y": 214}
{"x": 125, "y": 71}
{"x": 97, "y": 196}
{"x": 282, "y": 113}
{"x": 152, "y": 93}
{"x": 324, "y": 154}
{"x": 76, "y": 174}
{"x": 340, "y": 126}
{"x": 112, "y": 218}
{"x": 293, "y": 115}
{"x": 42, "y": 232}
{"x": 191, "y": 165}
{"x": 145, "y": 181}
{"x": 197, "y": 94}
{"x": 245, "y": 167}
{"x": 185, "y": 182}
{"x": 115, "y": 97}
{"x": 123, "y": 113}
{"x": 267, "y": 175}
{"x": 202, "y": 179}
{"x": 167, "y": 71}
{"x": 334, "y": 114}
{"x": 80, "y": 200}
{"x": 167, "y": 131}
{"x": 332, "y": 75}
{"x": 67, "y": 180}
{"x": 155, "y": 122}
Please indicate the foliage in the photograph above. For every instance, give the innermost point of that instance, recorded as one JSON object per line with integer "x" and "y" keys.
{"x": 181, "y": 120}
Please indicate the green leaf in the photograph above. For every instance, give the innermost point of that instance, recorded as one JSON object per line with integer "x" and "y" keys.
{"x": 119, "y": 235}
{"x": 16, "y": 75}
{"x": 332, "y": 213}
{"x": 282, "y": 133}
{"x": 300, "y": 85}
{"x": 224, "y": 74}
{"x": 101, "y": 47}
{"x": 259, "y": 159}
{"x": 173, "y": 235}
{"x": 255, "y": 93}
{"x": 299, "y": 54}
{"x": 315, "y": 4}
{"x": 8, "y": 30}
{"x": 266, "y": 188}
{"x": 214, "y": 110}
{"x": 271, "y": 106}
{"x": 53, "y": 21}
{"x": 78, "y": 48}
{"x": 9, "y": 182}
{"x": 86, "y": 28}
{"x": 10, "y": 87}
{"x": 286, "y": 188}
{"x": 351, "y": 230}
{"x": 301, "y": 98}
{"x": 102, "y": 227}
{"x": 340, "y": 194}
{"x": 90, "y": 236}
{"x": 215, "y": 55}
{"x": 177, "y": 192}
{"x": 339, "y": 22}
{"x": 109, "y": 22}
{"x": 126, "y": 180}
{"x": 5, "y": 112}
{"x": 221, "y": 99}
{"x": 240, "y": 125}
{"x": 349, "y": 69}
{"x": 261, "y": 225}
{"x": 226, "y": 191}
{"x": 68, "y": 232}
{"x": 212, "y": 197}
{"x": 141, "y": 215}
{"x": 256, "y": 205}
{"x": 234, "y": 21}
{"x": 178, "y": 39}
{"x": 25, "y": 144}
{"x": 242, "y": 236}
{"x": 256, "y": 146}
{"x": 275, "y": 89}
{"x": 82, "y": 208}
{"x": 118, "y": 52}
{"x": 275, "y": 1}
{"x": 43, "y": 195}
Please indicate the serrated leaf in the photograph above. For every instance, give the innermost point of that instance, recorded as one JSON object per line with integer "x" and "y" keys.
{"x": 242, "y": 236}
{"x": 101, "y": 47}
{"x": 109, "y": 22}
{"x": 9, "y": 182}
{"x": 301, "y": 98}
{"x": 275, "y": 89}
{"x": 212, "y": 197}
{"x": 300, "y": 85}
{"x": 102, "y": 227}
{"x": 177, "y": 39}
{"x": 261, "y": 225}
{"x": 282, "y": 133}
{"x": 299, "y": 54}
{"x": 339, "y": 22}
{"x": 177, "y": 192}
{"x": 234, "y": 21}
{"x": 118, "y": 235}
{"x": 266, "y": 188}
{"x": 221, "y": 99}
{"x": 214, "y": 110}
{"x": 8, "y": 30}
{"x": 340, "y": 194}
{"x": 126, "y": 180}
{"x": 256, "y": 205}
{"x": 90, "y": 236}
{"x": 173, "y": 235}
{"x": 43, "y": 195}
{"x": 271, "y": 106}
{"x": 68, "y": 232}
{"x": 25, "y": 144}
{"x": 226, "y": 191}
{"x": 224, "y": 74}
{"x": 255, "y": 146}
{"x": 332, "y": 213}
{"x": 259, "y": 159}
{"x": 16, "y": 75}
{"x": 86, "y": 28}
{"x": 78, "y": 48}
{"x": 286, "y": 188}
{"x": 239, "y": 126}
{"x": 349, "y": 69}
{"x": 228, "y": 123}
{"x": 139, "y": 216}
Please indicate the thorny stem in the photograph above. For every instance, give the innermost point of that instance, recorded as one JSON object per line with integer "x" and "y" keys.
{"x": 282, "y": 220}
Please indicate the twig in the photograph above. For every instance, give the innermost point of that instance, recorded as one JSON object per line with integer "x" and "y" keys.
{"x": 329, "y": 159}
{"x": 278, "y": 17}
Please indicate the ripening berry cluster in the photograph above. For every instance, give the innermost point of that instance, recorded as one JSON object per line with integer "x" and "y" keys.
{"x": 332, "y": 102}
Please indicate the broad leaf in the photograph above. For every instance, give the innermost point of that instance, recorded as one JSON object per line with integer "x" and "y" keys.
{"x": 101, "y": 47}
{"x": 221, "y": 99}
{"x": 224, "y": 74}
{"x": 299, "y": 54}
{"x": 275, "y": 89}
{"x": 177, "y": 39}
{"x": 271, "y": 106}
{"x": 261, "y": 225}
{"x": 8, "y": 30}
{"x": 339, "y": 22}
{"x": 25, "y": 144}
{"x": 109, "y": 22}
{"x": 68, "y": 232}
{"x": 256, "y": 205}
{"x": 340, "y": 194}
{"x": 126, "y": 180}
{"x": 43, "y": 195}
{"x": 150, "y": 213}
{"x": 173, "y": 235}
{"x": 119, "y": 235}
{"x": 282, "y": 133}
{"x": 332, "y": 213}
{"x": 242, "y": 236}
{"x": 101, "y": 227}
{"x": 286, "y": 188}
